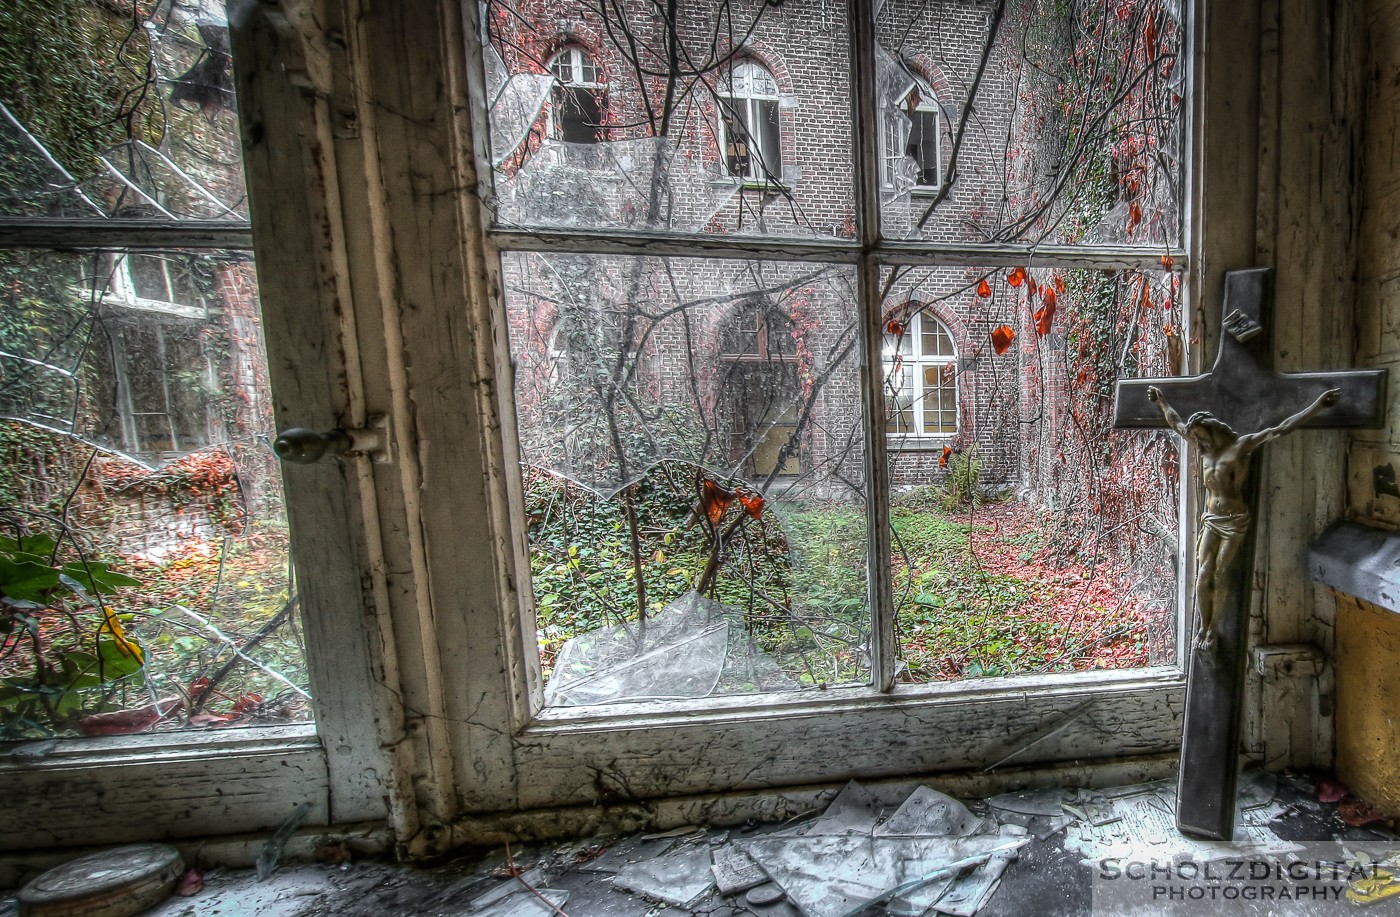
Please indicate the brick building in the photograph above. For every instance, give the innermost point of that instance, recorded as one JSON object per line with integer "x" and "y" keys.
{"x": 757, "y": 366}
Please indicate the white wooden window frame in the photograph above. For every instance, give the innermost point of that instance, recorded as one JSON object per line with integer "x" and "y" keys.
{"x": 739, "y": 95}
{"x": 576, "y": 62}
{"x": 381, "y": 295}
{"x": 908, "y": 376}
{"x": 573, "y": 756}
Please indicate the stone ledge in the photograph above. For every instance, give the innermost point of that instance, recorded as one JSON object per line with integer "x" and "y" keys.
{"x": 1361, "y": 561}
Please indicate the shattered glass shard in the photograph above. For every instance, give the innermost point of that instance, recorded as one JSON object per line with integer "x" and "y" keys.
{"x": 681, "y": 877}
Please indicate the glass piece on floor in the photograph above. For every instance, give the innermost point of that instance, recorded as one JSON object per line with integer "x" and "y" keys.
{"x": 680, "y": 877}
{"x": 735, "y": 871}
{"x": 542, "y": 902}
{"x": 1044, "y": 802}
{"x": 929, "y": 812}
{"x": 969, "y": 893}
{"x": 628, "y": 850}
{"x": 854, "y": 810}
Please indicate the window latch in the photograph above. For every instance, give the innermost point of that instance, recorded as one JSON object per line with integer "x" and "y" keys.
{"x": 300, "y": 446}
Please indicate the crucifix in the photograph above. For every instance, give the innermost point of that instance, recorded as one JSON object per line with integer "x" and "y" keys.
{"x": 1231, "y": 412}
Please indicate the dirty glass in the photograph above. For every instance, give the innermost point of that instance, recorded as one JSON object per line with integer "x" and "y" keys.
{"x": 702, "y": 127}
{"x": 1030, "y": 536}
{"x": 145, "y": 581}
{"x": 696, "y": 516}
{"x": 1060, "y": 122}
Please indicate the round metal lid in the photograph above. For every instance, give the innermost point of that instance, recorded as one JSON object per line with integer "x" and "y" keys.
{"x": 111, "y": 883}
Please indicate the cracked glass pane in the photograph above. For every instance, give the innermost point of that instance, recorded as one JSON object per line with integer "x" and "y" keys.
{"x": 146, "y": 130}
{"x": 1049, "y": 121}
{"x": 685, "y": 124}
{"x": 1029, "y": 535}
{"x": 690, "y": 424}
{"x": 145, "y": 580}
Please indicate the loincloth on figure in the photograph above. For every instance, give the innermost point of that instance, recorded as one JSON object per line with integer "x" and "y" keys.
{"x": 1227, "y": 525}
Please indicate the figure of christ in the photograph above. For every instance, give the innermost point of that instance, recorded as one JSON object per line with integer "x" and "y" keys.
{"x": 1225, "y": 517}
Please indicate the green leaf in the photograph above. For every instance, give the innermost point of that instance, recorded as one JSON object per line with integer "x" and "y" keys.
{"x": 115, "y": 663}
{"x": 41, "y": 545}
{"x": 26, "y": 580}
{"x": 98, "y": 577}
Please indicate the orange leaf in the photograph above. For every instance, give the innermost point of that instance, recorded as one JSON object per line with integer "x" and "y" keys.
{"x": 752, "y": 504}
{"x": 1044, "y": 317}
{"x": 943, "y": 459}
{"x": 1059, "y": 284}
{"x": 715, "y": 500}
{"x": 1167, "y": 262}
{"x": 1134, "y": 214}
{"x": 1031, "y": 285}
{"x": 895, "y": 326}
{"x": 984, "y": 289}
{"x": 1048, "y": 294}
{"x": 1016, "y": 277}
{"x": 1002, "y": 336}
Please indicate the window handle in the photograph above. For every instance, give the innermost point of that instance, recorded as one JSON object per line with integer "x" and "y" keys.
{"x": 300, "y": 446}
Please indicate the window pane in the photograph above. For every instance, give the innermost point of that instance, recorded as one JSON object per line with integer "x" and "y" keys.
{"x": 1042, "y": 540}
{"x": 708, "y": 447}
{"x": 679, "y": 145}
{"x": 147, "y": 126}
{"x": 134, "y": 460}
{"x": 1075, "y": 134}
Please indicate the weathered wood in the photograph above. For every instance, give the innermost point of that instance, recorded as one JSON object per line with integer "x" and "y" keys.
{"x": 167, "y": 785}
{"x": 309, "y": 325}
{"x": 884, "y": 252}
{"x": 1312, "y": 64}
{"x": 131, "y": 235}
{"x": 750, "y": 743}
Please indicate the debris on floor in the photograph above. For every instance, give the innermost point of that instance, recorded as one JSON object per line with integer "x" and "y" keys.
{"x": 906, "y": 851}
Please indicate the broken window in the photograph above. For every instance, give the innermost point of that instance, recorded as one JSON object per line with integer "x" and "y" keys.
{"x": 576, "y": 115}
{"x": 913, "y": 137}
{"x": 138, "y": 491}
{"x": 834, "y": 459}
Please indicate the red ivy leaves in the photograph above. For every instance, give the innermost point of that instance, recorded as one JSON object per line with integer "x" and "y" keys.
{"x": 1045, "y": 315}
{"x": 984, "y": 289}
{"x": 752, "y": 503}
{"x": 943, "y": 459}
{"x": 714, "y": 500}
{"x": 1002, "y": 336}
{"x": 1016, "y": 277}
{"x": 895, "y": 326}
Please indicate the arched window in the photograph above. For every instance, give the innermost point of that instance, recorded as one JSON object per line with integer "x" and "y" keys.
{"x": 749, "y": 132}
{"x": 576, "y": 109}
{"x": 921, "y": 379}
{"x": 913, "y": 130}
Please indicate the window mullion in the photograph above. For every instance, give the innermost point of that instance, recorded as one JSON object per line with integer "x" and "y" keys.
{"x": 883, "y": 642}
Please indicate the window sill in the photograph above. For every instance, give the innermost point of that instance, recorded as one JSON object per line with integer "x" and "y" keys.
{"x": 904, "y": 442}
{"x": 102, "y": 790}
{"x": 788, "y": 739}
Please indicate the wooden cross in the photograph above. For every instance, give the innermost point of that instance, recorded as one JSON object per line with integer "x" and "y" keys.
{"x": 1245, "y": 393}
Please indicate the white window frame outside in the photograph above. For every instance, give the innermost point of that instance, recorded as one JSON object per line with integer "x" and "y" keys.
{"x": 891, "y": 157}
{"x": 577, "y": 62}
{"x": 742, "y": 90}
{"x": 906, "y": 372}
